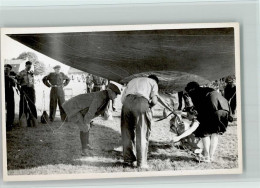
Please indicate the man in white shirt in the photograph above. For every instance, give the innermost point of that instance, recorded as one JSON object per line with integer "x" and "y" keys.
{"x": 140, "y": 95}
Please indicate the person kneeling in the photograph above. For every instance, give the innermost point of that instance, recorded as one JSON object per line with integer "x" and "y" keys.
{"x": 192, "y": 116}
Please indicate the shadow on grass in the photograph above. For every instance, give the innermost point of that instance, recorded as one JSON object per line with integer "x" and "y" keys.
{"x": 38, "y": 146}
{"x": 155, "y": 146}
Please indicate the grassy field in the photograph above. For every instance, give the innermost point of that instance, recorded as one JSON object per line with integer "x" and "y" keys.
{"x": 39, "y": 150}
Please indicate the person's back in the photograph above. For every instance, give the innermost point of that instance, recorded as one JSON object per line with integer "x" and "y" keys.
{"x": 143, "y": 87}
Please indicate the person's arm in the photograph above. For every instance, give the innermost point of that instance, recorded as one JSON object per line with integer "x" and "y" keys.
{"x": 67, "y": 80}
{"x": 154, "y": 101}
{"x": 161, "y": 101}
{"x": 123, "y": 96}
{"x": 91, "y": 112}
{"x": 154, "y": 95}
{"x": 45, "y": 81}
{"x": 194, "y": 126}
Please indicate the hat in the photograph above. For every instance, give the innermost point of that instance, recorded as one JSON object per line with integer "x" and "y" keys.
{"x": 56, "y": 67}
{"x": 114, "y": 88}
{"x": 9, "y": 66}
{"x": 28, "y": 63}
{"x": 229, "y": 80}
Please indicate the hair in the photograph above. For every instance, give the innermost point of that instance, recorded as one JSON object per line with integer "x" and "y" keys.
{"x": 28, "y": 63}
{"x": 154, "y": 77}
{"x": 192, "y": 85}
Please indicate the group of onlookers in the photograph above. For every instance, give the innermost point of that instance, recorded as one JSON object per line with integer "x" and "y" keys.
{"x": 24, "y": 82}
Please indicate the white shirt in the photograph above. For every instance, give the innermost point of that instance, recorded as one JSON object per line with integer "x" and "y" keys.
{"x": 143, "y": 86}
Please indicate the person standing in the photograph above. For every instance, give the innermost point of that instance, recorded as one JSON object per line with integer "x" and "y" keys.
{"x": 56, "y": 80}
{"x": 140, "y": 95}
{"x": 230, "y": 94}
{"x": 98, "y": 83}
{"x": 25, "y": 80}
{"x": 83, "y": 108}
{"x": 89, "y": 83}
{"x": 10, "y": 82}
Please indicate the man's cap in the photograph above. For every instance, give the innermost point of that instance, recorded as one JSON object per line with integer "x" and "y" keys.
{"x": 28, "y": 63}
{"x": 56, "y": 67}
{"x": 114, "y": 88}
{"x": 9, "y": 66}
{"x": 229, "y": 80}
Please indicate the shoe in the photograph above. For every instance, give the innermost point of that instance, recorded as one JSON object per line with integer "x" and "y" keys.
{"x": 130, "y": 164}
{"x": 89, "y": 147}
{"x": 202, "y": 158}
{"x": 144, "y": 167}
{"x": 86, "y": 152}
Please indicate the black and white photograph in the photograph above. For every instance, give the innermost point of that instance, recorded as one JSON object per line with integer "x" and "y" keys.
{"x": 120, "y": 101}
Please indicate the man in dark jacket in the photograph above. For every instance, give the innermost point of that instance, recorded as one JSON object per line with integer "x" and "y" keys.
{"x": 56, "y": 80}
{"x": 25, "y": 80}
{"x": 83, "y": 108}
{"x": 230, "y": 94}
{"x": 9, "y": 97}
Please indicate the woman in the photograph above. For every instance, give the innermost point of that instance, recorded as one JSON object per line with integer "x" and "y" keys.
{"x": 213, "y": 115}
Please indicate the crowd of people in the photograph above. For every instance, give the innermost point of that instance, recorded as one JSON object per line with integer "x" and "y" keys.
{"x": 208, "y": 109}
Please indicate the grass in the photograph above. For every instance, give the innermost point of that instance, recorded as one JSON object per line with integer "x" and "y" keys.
{"x": 39, "y": 150}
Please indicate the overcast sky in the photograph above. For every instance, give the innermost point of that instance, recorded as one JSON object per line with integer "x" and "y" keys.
{"x": 12, "y": 49}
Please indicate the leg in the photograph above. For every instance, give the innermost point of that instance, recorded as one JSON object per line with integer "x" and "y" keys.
{"x": 9, "y": 111}
{"x": 61, "y": 100}
{"x": 84, "y": 139}
{"x": 213, "y": 145}
{"x": 206, "y": 144}
{"x": 21, "y": 104}
{"x": 31, "y": 102}
{"x": 143, "y": 129}
{"x": 53, "y": 104}
{"x": 128, "y": 136}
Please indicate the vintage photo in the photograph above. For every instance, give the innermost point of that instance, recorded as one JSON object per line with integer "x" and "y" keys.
{"x": 120, "y": 101}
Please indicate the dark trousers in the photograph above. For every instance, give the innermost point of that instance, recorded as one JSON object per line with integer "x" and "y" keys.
{"x": 27, "y": 102}
{"x": 136, "y": 119}
{"x": 10, "y": 109}
{"x": 57, "y": 96}
{"x": 89, "y": 90}
{"x": 233, "y": 105}
{"x": 97, "y": 88}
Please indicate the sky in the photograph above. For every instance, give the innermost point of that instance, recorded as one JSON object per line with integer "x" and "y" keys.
{"x": 12, "y": 49}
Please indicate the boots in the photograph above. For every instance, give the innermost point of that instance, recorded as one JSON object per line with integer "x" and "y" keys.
{"x": 84, "y": 138}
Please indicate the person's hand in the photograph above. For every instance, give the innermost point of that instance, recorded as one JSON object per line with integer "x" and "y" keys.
{"x": 91, "y": 124}
{"x": 175, "y": 139}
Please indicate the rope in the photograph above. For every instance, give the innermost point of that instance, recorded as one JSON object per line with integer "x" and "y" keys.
{"x": 48, "y": 125}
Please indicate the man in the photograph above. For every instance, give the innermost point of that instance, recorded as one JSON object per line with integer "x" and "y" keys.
{"x": 140, "y": 95}
{"x": 27, "y": 106}
{"x": 98, "y": 83}
{"x": 56, "y": 80}
{"x": 89, "y": 83}
{"x": 230, "y": 94}
{"x": 9, "y": 97}
{"x": 83, "y": 108}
